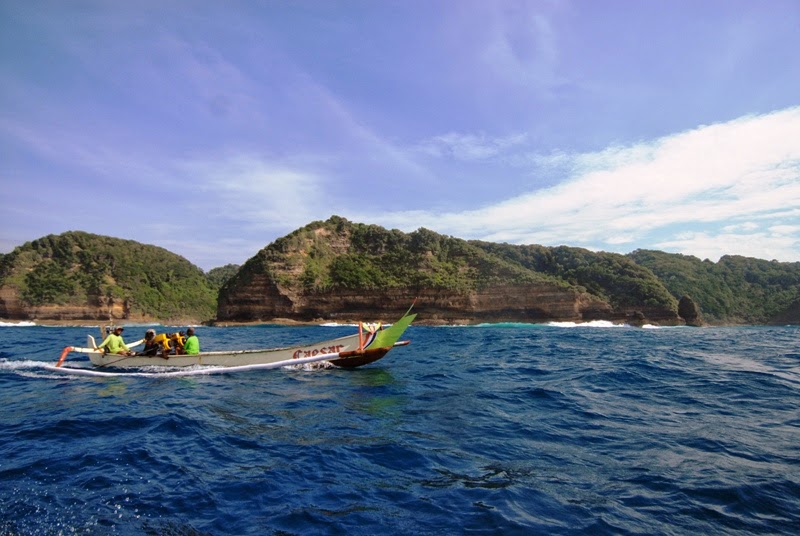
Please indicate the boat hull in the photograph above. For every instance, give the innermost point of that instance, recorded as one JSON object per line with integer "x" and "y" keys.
{"x": 349, "y": 351}
{"x": 234, "y": 358}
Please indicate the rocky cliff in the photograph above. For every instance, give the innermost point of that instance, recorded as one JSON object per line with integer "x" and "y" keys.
{"x": 13, "y": 307}
{"x": 343, "y": 271}
{"x": 263, "y": 300}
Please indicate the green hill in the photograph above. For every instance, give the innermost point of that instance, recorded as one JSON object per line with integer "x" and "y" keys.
{"x": 609, "y": 276}
{"x": 733, "y": 290}
{"x": 337, "y": 254}
{"x": 325, "y": 258}
{"x": 84, "y": 274}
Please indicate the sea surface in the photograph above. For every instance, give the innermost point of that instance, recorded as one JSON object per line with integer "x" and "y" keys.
{"x": 494, "y": 429}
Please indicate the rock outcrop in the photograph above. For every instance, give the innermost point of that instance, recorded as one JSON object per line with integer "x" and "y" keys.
{"x": 689, "y": 311}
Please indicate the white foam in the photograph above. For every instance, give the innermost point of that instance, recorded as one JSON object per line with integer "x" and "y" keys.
{"x": 16, "y": 324}
{"x": 592, "y": 324}
{"x": 17, "y": 365}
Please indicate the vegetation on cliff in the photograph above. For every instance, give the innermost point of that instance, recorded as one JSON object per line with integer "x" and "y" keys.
{"x": 611, "y": 277}
{"x": 77, "y": 268}
{"x": 336, "y": 254}
{"x": 735, "y": 289}
{"x": 219, "y": 276}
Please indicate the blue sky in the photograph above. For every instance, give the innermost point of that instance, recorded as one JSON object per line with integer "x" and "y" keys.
{"x": 213, "y": 128}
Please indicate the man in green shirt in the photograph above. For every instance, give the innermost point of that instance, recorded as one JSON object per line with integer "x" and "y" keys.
{"x": 114, "y": 344}
{"x": 192, "y": 344}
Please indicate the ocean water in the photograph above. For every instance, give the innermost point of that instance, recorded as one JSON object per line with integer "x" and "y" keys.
{"x": 493, "y": 429}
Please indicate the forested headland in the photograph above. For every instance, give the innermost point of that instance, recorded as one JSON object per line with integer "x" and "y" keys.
{"x": 330, "y": 265}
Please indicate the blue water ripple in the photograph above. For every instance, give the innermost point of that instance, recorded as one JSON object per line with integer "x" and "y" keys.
{"x": 513, "y": 429}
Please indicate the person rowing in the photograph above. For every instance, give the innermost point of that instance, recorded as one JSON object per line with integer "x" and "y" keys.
{"x": 114, "y": 344}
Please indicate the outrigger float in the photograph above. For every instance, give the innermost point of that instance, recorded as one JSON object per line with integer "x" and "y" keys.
{"x": 372, "y": 342}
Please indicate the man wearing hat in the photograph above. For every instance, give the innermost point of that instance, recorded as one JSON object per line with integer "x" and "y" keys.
{"x": 114, "y": 344}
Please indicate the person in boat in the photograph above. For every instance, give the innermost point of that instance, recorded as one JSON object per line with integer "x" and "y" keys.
{"x": 163, "y": 343}
{"x": 192, "y": 344}
{"x": 151, "y": 346}
{"x": 177, "y": 341}
{"x": 113, "y": 344}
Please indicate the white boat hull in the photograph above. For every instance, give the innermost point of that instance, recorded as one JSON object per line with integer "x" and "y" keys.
{"x": 349, "y": 351}
{"x": 234, "y": 358}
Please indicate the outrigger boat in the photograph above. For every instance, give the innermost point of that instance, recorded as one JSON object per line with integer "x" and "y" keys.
{"x": 371, "y": 343}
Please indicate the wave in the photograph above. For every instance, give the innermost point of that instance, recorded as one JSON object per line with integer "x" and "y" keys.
{"x": 22, "y": 324}
{"x": 606, "y": 324}
{"x": 529, "y": 325}
{"x": 592, "y": 324}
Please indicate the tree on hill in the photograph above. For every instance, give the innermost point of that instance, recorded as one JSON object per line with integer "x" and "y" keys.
{"x": 220, "y": 275}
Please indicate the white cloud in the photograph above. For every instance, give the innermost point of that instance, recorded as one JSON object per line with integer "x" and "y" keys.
{"x": 714, "y": 245}
{"x": 721, "y": 175}
{"x": 260, "y": 193}
{"x": 748, "y": 226}
{"x": 784, "y": 230}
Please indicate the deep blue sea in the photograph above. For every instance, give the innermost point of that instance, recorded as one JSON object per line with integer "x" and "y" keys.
{"x": 497, "y": 429}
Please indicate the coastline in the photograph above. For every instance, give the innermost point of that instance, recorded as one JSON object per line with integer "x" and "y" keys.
{"x": 95, "y": 323}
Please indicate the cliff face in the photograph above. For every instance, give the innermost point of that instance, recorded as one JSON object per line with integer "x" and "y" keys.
{"x": 10, "y": 305}
{"x": 14, "y": 308}
{"x": 263, "y": 300}
{"x": 342, "y": 271}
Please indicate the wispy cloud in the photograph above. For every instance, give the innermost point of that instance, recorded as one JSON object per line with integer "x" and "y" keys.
{"x": 469, "y": 147}
{"x": 742, "y": 175}
{"x": 522, "y": 47}
{"x": 258, "y": 193}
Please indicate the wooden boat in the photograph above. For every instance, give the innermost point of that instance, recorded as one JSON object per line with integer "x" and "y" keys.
{"x": 371, "y": 343}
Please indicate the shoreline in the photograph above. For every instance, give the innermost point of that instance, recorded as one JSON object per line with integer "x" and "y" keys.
{"x": 94, "y": 323}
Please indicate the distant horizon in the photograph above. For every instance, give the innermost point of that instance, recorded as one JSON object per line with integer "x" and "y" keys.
{"x": 211, "y": 129}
